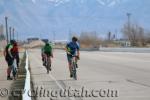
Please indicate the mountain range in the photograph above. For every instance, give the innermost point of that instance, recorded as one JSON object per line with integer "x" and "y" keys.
{"x": 43, "y": 18}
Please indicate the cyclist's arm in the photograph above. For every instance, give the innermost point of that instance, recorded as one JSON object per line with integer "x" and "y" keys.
{"x": 78, "y": 53}
{"x": 78, "y": 50}
{"x": 52, "y": 53}
{"x": 66, "y": 48}
{"x": 9, "y": 51}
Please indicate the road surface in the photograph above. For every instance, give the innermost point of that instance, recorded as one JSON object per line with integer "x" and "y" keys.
{"x": 101, "y": 76}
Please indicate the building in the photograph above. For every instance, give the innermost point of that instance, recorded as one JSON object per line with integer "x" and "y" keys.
{"x": 32, "y": 39}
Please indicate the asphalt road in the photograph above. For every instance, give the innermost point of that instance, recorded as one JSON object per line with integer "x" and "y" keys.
{"x": 101, "y": 76}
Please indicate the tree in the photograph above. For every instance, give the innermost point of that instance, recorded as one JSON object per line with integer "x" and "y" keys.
{"x": 135, "y": 34}
{"x": 89, "y": 39}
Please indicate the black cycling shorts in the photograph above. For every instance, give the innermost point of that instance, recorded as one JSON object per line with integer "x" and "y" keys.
{"x": 48, "y": 54}
{"x": 9, "y": 60}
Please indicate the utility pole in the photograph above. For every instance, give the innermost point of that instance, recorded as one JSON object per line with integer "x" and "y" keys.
{"x": 6, "y": 23}
{"x": 70, "y": 34}
{"x": 17, "y": 36}
{"x": 13, "y": 33}
{"x": 54, "y": 35}
{"x": 10, "y": 33}
{"x": 129, "y": 24}
{"x": 129, "y": 16}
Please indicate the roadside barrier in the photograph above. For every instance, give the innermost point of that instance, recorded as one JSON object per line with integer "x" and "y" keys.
{"x": 27, "y": 86}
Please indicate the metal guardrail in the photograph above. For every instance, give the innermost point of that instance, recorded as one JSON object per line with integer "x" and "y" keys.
{"x": 27, "y": 86}
{"x": 136, "y": 50}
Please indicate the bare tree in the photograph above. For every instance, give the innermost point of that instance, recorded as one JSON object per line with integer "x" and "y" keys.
{"x": 89, "y": 39}
{"x": 135, "y": 34}
{"x": 147, "y": 35}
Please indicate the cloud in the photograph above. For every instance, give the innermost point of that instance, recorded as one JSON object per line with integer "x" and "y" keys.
{"x": 58, "y": 2}
{"x": 112, "y": 3}
{"x": 101, "y": 2}
{"x": 108, "y": 2}
{"x": 34, "y": 1}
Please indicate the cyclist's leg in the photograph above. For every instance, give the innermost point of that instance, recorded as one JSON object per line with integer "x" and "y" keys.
{"x": 69, "y": 64}
{"x": 44, "y": 59}
{"x": 9, "y": 62}
{"x": 49, "y": 61}
{"x": 76, "y": 61}
{"x": 17, "y": 60}
{"x": 14, "y": 68}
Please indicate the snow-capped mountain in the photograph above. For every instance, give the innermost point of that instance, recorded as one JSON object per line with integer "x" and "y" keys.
{"x": 101, "y": 2}
{"x": 35, "y": 17}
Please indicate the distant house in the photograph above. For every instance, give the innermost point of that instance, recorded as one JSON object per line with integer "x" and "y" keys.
{"x": 45, "y": 40}
{"x": 123, "y": 42}
{"x": 32, "y": 39}
{"x": 60, "y": 41}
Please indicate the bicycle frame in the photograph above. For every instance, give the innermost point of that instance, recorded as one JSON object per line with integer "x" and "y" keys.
{"x": 48, "y": 63}
{"x": 74, "y": 71}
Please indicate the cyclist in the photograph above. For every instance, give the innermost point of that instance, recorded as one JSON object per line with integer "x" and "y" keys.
{"x": 16, "y": 53}
{"x": 72, "y": 48}
{"x": 8, "y": 54}
{"x": 47, "y": 52}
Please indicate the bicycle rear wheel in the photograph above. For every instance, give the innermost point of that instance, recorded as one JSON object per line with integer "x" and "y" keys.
{"x": 48, "y": 65}
{"x": 74, "y": 72}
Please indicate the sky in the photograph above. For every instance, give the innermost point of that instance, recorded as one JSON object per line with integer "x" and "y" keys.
{"x": 44, "y": 18}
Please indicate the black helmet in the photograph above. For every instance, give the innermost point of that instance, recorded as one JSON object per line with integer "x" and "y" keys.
{"x": 12, "y": 41}
{"x": 75, "y": 39}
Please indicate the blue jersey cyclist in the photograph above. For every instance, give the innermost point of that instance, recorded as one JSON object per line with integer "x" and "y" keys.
{"x": 72, "y": 48}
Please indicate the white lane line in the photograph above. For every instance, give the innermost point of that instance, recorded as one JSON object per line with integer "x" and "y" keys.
{"x": 56, "y": 82}
{"x": 59, "y": 85}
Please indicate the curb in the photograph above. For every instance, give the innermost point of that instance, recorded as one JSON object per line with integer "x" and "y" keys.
{"x": 27, "y": 86}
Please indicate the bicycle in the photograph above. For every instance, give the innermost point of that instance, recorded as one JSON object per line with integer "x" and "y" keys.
{"x": 48, "y": 63}
{"x": 74, "y": 66}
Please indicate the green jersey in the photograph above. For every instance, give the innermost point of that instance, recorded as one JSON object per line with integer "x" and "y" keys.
{"x": 47, "y": 49}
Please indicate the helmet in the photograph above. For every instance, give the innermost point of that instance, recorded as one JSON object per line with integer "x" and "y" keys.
{"x": 75, "y": 39}
{"x": 12, "y": 41}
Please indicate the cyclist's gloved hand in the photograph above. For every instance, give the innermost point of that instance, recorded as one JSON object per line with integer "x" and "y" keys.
{"x": 12, "y": 57}
{"x": 78, "y": 57}
{"x": 69, "y": 53}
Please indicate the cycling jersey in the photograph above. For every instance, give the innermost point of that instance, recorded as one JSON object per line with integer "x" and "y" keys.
{"x": 72, "y": 47}
{"x": 47, "y": 49}
{"x": 8, "y": 57}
